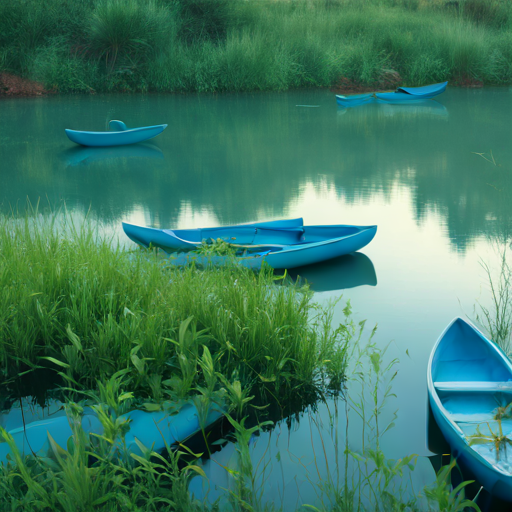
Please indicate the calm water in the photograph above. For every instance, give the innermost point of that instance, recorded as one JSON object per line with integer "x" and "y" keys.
{"x": 413, "y": 170}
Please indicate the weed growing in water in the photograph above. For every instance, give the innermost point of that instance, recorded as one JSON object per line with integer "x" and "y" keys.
{"x": 498, "y": 318}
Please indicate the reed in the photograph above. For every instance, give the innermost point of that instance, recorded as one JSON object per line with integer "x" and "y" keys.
{"x": 497, "y": 319}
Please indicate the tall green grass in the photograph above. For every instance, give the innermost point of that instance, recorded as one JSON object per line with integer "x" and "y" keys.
{"x": 76, "y": 302}
{"x": 216, "y": 45}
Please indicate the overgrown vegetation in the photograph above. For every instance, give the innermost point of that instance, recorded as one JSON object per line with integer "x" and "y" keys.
{"x": 235, "y": 45}
{"x": 75, "y": 302}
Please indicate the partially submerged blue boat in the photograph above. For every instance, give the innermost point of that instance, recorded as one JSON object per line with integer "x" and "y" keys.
{"x": 281, "y": 244}
{"x": 119, "y": 135}
{"x": 470, "y": 393}
{"x": 153, "y": 429}
{"x": 401, "y": 95}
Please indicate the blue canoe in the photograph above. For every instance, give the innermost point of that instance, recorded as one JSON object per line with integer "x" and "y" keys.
{"x": 401, "y": 95}
{"x": 280, "y": 247}
{"x": 119, "y": 135}
{"x": 355, "y": 99}
{"x": 469, "y": 377}
{"x": 152, "y": 429}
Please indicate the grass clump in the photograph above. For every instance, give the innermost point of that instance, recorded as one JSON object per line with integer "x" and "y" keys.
{"x": 123, "y": 34}
{"x": 82, "y": 305}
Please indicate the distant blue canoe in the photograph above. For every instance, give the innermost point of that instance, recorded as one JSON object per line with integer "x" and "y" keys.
{"x": 469, "y": 377}
{"x": 279, "y": 247}
{"x": 119, "y": 135}
{"x": 401, "y": 95}
{"x": 355, "y": 99}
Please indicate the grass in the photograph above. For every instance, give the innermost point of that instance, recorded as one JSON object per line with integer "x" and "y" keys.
{"x": 86, "y": 476}
{"x": 497, "y": 319}
{"x": 77, "y": 303}
{"x": 220, "y": 45}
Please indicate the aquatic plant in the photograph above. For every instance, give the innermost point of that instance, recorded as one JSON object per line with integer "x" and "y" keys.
{"x": 216, "y": 247}
{"x": 447, "y": 498}
{"x": 498, "y": 318}
{"x": 498, "y": 439}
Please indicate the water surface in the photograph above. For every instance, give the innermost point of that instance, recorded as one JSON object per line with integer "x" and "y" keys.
{"x": 436, "y": 177}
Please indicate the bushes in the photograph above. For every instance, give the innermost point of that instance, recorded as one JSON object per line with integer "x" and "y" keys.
{"x": 234, "y": 45}
{"x": 126, "y": 32}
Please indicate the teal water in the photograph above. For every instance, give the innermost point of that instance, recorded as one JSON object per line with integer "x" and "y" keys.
{"x": 436, "y": 177}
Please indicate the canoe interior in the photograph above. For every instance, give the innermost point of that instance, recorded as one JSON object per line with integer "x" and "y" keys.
{"x": 266, "y": 236}
{"x": 425, "y": 90}
{"x": 465, "y": 355}
{"x": 472, "y": 378}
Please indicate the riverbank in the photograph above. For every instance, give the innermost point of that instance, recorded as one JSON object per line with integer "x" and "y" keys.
{"x": 216, "y": 45}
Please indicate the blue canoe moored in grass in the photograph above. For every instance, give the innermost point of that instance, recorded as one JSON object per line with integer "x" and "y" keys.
{"x": 470, "y": 393}
{"x": 155, "y": 430}
{"x": 281, "y": 247}
{"x": 119, "y": 135}
{"x": 401, "y": 95}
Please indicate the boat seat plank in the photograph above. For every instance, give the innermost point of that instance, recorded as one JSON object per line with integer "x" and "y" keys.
{"x": 465, "y": 386}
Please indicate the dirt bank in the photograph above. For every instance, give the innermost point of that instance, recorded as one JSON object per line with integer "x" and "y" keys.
{"x": 12, "y": 85}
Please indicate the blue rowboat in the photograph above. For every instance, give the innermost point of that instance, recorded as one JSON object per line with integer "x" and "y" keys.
{"x": 401, "y": 95}
{"x": 119, "y": 135}
{"x": 152, "y": 429}
{"x": 355, "y": 99}
{"x": 279, "y": 247}
{"x": 470, "y": 392}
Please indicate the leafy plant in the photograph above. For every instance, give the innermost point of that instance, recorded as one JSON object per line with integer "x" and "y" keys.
{"x": 446, "y": 498}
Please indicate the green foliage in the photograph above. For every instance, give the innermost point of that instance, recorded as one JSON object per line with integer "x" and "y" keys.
{"x": 126, "y": 32}
{"x": 222, "y": 45}
{"x": 205, "y": 20}
{"x": 82, "y": 306}
{"x": 215, "y": 248}
{"x": 446, "y": 498}
{"x": 498, "y": 318}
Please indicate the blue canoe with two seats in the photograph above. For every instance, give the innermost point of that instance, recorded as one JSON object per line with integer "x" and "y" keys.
{"x": 470, "y": 393}
{"x": 119, "y": 135}
{"x": 401, "y": 95}
{"x": 280, "y": 246}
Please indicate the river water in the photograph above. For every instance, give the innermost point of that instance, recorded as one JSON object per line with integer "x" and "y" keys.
{"x": 435, "y": 177}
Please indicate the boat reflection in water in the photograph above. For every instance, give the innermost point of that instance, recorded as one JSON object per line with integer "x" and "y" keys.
{"x": 85, "y": 155}
{"x": 348, "y": 271}
{"x": 425, "y": 108}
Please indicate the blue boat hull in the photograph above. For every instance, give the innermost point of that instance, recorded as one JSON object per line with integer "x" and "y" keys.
{"x": 401, "y": 95}
{"x": 280, "y": 247}
{"x": 425, "y": 92}
{"x": 468, "y": 378}
{"x": 152, "y": 429}
{"x": 115, "y": 138}
{"x": 355, "y": 100}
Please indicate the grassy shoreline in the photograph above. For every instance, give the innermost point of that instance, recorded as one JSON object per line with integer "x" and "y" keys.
{"x": 235, "y": 45}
